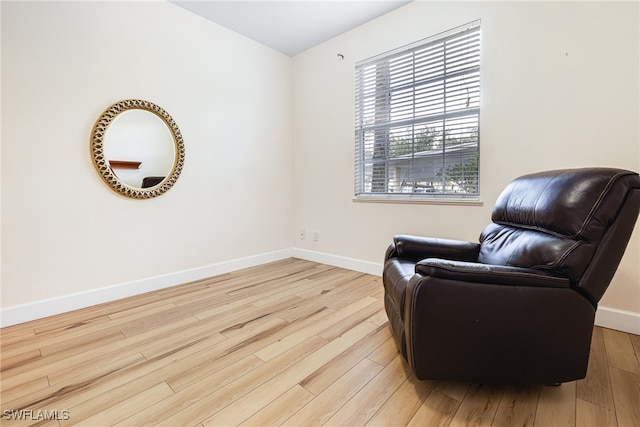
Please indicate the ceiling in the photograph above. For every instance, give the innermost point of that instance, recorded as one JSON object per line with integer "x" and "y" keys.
{"x": 290, "y": 26}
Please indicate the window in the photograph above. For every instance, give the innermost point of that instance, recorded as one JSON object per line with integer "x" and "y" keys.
{"x": 418, "y": 117}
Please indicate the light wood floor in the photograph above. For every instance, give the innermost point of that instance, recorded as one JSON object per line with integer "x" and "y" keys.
{"x": 289, "y": 343}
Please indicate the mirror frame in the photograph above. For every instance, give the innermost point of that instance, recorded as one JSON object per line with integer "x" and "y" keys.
{"x": 102, "y": 164}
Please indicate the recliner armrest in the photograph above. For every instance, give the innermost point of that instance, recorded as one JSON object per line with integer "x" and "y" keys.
{"x": 417, "y": 248}
{"x": 489, "y": 274}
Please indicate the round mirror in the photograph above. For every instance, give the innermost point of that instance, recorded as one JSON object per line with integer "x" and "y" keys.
{"x": 137, "y": 149}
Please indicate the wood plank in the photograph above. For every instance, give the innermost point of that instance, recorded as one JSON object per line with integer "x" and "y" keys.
{"x": 92, "y": 368}
{"x": 217, "y": 356}
{"x": 359, "y": 288}
{"x": 49, "y": 361}
{"x": 350, "y": 321}
{"x": 590, "y": 415}
{"x": 89, "y": 316}
{"x": 620, "y": 352}
{"x": 9, "y": 363}
{"x": 403, "y": 404}
{"x": 517, "y": 406}
{"x": 26, "y": 388}
{"x": 333, "y": 321}
{"x": 120, "y": 385}
{"x": 63, "y": 323}
{"x": 454, "y": 389}
{"x": 626, "y": 392}
{"x": 16, "y": 333}
{"x": 105, "y": 327}
{"x": 556, "y": 406}
{"x": 61, "y": 361}
{"x": 318, "y": 286}
{"x": 635, "y": 342}
{"x": 380, "y": 318}
{"x": 148, "y": 374}
{"x": 40, "y": 341}
{"x": 201, "y": 391}
{"x": 318, "y": 411}
{"x": 157, "y": 320}
{"x": 250, "y": 315}
{"x": 82, "y": 342}
{"x": 385, "y": 353}
{"x": 596, "y": 386}
{"x": 327, "y": 374}
{"x": 263, "y": 394}
{"x": 115, "y": 413}
{"x": 222, "y": 397}
{"x": 479, "y": 406}
{"x": 437, "y": 410}
{"x": 275, "y": 413}
{"x": 361, "y": 407}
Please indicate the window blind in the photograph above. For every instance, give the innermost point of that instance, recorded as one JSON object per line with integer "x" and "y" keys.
{"x": 418, "y": 118}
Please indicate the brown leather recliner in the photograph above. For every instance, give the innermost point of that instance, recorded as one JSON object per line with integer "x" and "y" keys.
{"x": 519, "y": 306}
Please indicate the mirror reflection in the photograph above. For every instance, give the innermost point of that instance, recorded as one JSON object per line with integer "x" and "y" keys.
{"x": 140, "y": 149}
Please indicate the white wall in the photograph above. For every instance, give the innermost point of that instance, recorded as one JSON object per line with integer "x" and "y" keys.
{"x": 64, "y": 232}
{"x": 560, "y": 88}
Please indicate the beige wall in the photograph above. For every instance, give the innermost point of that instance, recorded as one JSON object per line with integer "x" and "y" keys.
{"x": 560, "y": 88}
{"x": 64, "y": 231}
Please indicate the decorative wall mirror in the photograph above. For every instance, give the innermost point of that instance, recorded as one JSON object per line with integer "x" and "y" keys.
{"x": 137, "y": 149}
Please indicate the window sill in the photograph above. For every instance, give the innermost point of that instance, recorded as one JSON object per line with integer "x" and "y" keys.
{"x": 419, "y": 200}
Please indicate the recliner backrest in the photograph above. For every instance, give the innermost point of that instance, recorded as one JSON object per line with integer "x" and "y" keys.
{"x": 559, "y": 220}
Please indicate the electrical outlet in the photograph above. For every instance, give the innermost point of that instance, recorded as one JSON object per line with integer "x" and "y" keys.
{"x": 302, "y": 234}
{"x": 316, "y": 236}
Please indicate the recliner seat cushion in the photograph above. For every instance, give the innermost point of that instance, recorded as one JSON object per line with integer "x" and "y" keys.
{"x": 517, "y": 247}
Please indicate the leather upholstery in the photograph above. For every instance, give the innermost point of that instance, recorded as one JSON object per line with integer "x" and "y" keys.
{"x": 519, "y": 306}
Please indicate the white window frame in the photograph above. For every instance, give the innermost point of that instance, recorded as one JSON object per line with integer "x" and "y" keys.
{"x": 417, "y": 133}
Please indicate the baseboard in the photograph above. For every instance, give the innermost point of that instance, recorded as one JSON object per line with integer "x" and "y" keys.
{"x": 606, "y": 317}
{"x": 338, "y": 261}
{"x": 49, "y": 307}
{"x": 620, "y": 320}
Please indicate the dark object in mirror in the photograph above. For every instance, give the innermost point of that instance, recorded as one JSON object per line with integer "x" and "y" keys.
{"x": 151, "y": 181}
{"x": 137, "y": 149}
